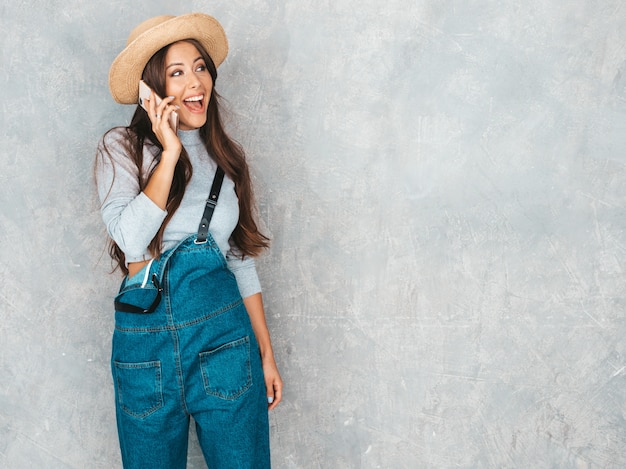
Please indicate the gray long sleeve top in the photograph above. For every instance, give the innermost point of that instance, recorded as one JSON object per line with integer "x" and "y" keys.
{"x": 132, "y": 219}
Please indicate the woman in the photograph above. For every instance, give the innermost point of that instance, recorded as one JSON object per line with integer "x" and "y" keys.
{"x": 190, "y": 335}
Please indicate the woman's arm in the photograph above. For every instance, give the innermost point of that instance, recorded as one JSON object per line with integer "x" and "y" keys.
{"x": 133, "y": 216}
{"x": 273, "y": 381}
{"x": 160, "y": 183}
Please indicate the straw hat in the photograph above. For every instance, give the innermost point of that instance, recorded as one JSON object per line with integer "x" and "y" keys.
{"x": 152, "y": 35}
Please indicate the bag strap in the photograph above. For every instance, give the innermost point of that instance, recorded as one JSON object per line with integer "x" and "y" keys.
{"x": 128, "y": 308}
{"x": 211, "y": 202}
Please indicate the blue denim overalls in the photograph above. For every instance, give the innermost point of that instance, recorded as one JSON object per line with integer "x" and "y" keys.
{"x": 195, "y": 355}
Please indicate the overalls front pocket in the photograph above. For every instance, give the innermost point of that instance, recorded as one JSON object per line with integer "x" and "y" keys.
{"x": 141, "y": 293}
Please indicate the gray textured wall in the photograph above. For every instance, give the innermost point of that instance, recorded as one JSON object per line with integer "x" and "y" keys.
{"x": 444, "y": 182}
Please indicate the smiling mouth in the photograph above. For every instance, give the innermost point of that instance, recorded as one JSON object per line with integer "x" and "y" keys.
{"x": 194, "y": 103}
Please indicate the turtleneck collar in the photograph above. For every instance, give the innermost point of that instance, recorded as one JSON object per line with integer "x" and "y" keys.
{"x": 190, "y": 138}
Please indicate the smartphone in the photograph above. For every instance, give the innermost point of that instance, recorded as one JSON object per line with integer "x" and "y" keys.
{"x": 144, "y": 94}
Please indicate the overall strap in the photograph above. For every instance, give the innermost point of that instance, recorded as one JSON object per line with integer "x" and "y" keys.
{"x": 211, "y": 202}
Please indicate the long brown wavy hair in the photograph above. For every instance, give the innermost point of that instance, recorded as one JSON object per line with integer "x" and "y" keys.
{"x": 227, "y": 153}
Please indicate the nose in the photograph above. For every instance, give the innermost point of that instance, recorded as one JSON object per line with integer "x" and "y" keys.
{"x": 192, "y": 80}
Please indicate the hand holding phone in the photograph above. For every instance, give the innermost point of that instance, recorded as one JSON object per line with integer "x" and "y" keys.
{"x": 144, "y": 95}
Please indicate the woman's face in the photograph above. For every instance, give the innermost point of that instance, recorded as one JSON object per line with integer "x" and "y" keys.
{"x": 189, "y": 81}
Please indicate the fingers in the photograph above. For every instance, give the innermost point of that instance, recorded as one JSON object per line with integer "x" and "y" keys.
{"x": 166, "y": 114}
{"x": 278, "y": 397}
{"x": 274, "y": 393}
{"x": 273, "y": 383}
{"x": 159, "y": 114}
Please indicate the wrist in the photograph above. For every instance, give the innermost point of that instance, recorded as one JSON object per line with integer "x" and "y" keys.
{"x": 170, "y": 157}
{"x": 267, "y": 353}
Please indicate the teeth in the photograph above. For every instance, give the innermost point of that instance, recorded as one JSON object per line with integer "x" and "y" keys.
{"x": 194, "y": 98}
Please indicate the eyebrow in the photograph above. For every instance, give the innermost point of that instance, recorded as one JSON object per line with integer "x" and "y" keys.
{"x": 180, "y": 63}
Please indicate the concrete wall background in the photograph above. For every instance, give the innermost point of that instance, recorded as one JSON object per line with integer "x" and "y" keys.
{"x": 444, "y": 182}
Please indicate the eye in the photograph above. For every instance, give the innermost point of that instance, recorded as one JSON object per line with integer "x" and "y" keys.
{"x": 176, "y": 73}
{"x": 201, "y": 68}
